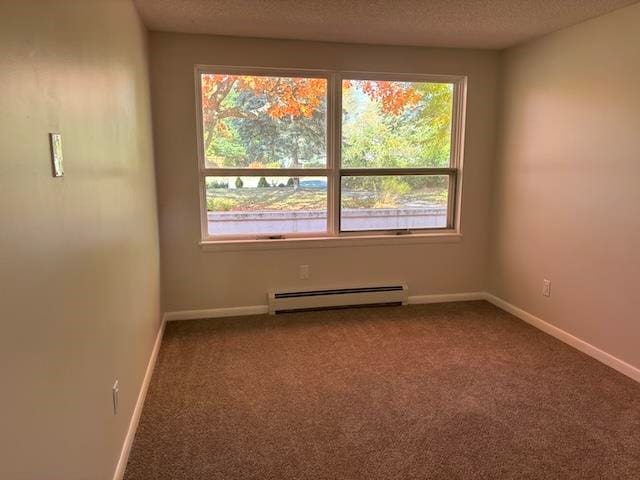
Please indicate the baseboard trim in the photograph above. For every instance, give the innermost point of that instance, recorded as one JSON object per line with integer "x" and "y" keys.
{"x": 447, "y": 297}
{"x": 260, "y": 309}
{"x": 216, "y": 313}
{"x": 585, "y": 347}
{"x": 577, "y": 343}
{"x": 137, "y": 411}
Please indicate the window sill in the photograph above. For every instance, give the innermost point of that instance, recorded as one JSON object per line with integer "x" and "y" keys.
{"x": 328, "y": 242}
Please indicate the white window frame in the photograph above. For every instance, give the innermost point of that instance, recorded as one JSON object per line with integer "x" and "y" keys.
{"x": 333, "y": 171}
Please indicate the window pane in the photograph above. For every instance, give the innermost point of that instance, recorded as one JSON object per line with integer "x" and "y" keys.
{"x": 396, "y": 124}
{"x": 263, "y": 122}
{"x": 398, "y": 202}
{"x": 263, "y": 206}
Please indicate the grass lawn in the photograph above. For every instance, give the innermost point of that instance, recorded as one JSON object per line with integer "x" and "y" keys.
{"x": 289, "y": 198}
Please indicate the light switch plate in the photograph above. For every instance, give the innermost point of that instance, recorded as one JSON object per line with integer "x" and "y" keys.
{"x": 115, "y": 391}
{"x": 56, "y": 154}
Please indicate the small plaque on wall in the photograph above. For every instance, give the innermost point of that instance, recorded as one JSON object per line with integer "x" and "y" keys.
{"x": 56, "y": 154}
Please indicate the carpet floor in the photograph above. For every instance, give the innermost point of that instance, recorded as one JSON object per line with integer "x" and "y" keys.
{"x": 449, "y": 391}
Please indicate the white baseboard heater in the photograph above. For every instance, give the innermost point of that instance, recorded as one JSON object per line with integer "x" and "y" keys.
{"x": 281, "y": 301}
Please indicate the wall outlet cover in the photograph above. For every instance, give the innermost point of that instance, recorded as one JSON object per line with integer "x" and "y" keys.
{"x": 304, "y": 272}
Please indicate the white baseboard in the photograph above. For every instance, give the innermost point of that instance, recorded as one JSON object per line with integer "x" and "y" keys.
{"x": 595, "y": 352}
{"x": 137, "y": 411}
{"x": 447, "y": 297}
{"x": 600, "y": 355}
{"x": 260, "y": 309}
{"x": 216, "y": 313}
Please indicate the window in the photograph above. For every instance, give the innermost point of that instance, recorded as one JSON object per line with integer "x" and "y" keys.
{"x": 285, "y": 154}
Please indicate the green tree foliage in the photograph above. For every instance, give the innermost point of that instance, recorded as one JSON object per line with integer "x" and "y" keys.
{"x": 291, "y": 142}
{"x": 415, "y": 136}
{"x": 271, "y": 122}
{"x": 418, "y": 136}
{"x": 434, "y": 126}
{"x": 266, "y": 122}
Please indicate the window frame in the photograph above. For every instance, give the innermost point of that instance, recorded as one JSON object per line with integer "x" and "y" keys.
{"x": 333, "y": 170}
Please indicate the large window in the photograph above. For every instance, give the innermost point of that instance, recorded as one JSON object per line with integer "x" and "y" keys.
{"x": 322, "y": 154}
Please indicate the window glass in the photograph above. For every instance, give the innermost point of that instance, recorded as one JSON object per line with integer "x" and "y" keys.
{"x": 267, "y": 168}
{"x": 263, "y": 121}
{"x": 389, "y": 124}
{"x": 394, "y": 202}
{"x": 266, "y": 205}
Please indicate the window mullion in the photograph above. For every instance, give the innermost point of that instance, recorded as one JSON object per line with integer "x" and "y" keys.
{"x": 204, "y": 211}
{"x": 335, "y": 156}
{"x": 452, "y": 200}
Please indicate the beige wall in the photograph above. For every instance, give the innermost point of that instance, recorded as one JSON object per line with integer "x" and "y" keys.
{"x": 193, "y": 279}
{"x": 79, "y": 269}
{"x": 567, "y": 197}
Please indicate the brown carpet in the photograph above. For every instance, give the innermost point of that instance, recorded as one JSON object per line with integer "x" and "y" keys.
{"x": 452, "y": 391}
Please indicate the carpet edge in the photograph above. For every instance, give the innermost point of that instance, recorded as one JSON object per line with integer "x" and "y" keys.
{"x": 137, "y": 410}
{"x": 566, "y": 337}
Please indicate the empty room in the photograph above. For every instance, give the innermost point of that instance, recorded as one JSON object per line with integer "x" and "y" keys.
{"x": 304, "y": 240}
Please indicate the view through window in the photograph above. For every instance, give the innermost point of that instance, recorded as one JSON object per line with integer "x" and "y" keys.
{"x": 273, "y": 164}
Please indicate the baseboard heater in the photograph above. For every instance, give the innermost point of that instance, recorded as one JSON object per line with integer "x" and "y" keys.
{"x": 299, "y": 300}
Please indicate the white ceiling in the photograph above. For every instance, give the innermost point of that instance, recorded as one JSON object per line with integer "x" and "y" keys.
{"x": 444, "y": 23}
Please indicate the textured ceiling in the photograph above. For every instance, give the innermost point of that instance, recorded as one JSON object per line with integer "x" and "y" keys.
{"x": 444, "y": 23}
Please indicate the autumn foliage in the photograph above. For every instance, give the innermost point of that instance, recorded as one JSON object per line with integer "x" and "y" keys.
{"x": 296, "y": 97}
{"x": 293, "y": 96}
{"x": 394, "y": 96}
{"x": 272, "y": 122}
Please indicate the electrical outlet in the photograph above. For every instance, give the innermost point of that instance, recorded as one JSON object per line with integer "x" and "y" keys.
{"x": 303, "y": 272}
{"x": 116, "y": 395}
{"x": 546, "y": 287}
